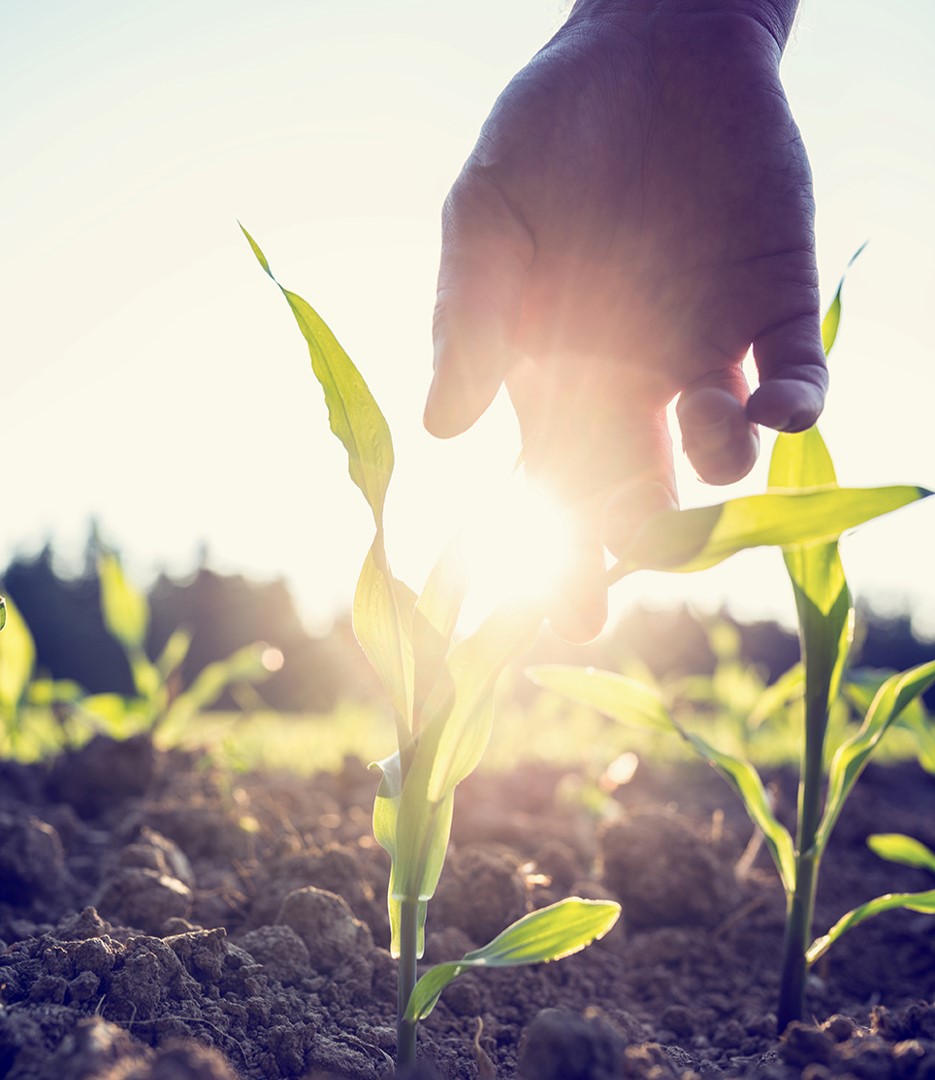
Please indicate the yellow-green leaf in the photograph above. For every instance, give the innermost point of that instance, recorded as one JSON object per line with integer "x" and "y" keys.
{"x": 17, "y": 656}
{"x": 353, "y": 413}
{"x": 549, "y": 934}
{"x": 852, "y": 756}
{"x": 382, "y": 616}
{"x": 923, "y": 902}
{"x": 622, "y": 699}
{"x": 894, "y": 847}
{"x": 124, "y": 607}
{"x": 688, "y": 540}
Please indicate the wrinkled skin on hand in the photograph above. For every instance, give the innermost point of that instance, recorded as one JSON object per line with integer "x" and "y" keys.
{"x": 636, "y": 214}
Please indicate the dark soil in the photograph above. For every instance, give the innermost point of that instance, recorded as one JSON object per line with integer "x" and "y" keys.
{"x": 160, "y": 920}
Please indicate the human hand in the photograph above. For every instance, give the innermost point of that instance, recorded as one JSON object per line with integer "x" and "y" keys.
{"x": 636, "y": 214}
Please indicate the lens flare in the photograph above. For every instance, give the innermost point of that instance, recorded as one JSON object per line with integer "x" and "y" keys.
{"x": 517, "y": 545}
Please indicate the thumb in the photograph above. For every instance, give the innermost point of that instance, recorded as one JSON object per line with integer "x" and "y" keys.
{"x": 486, "y": 252}
{"x": 793, "y": 375}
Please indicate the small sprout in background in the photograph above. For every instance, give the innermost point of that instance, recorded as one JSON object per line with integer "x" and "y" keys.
{"x": 160, "y": 705}
{"x": 442, "y": 697}
{"x": 17, "y": 659}
{"x": 804, "y": 512}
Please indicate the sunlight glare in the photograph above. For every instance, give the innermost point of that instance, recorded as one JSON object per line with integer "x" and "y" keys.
{"x": 517, "y": 545}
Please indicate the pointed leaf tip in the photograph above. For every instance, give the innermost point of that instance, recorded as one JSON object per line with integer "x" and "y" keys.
{"x": 257, "y": 251}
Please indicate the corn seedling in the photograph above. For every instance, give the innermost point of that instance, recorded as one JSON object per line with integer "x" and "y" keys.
{"x": 804, "y": 512}
{"x": 158, "y": 705}
{"x": 441, "y": 691}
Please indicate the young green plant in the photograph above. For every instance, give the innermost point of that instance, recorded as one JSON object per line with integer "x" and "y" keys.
{"x": 804, "y": 512}
{"x": 158, "y": 705}
{"x": 441, "y": 691}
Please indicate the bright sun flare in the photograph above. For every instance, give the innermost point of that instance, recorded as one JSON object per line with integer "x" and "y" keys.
{"x": 516, "y": 546}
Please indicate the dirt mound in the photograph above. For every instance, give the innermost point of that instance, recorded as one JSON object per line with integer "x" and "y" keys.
{"x": 178, "y": 924}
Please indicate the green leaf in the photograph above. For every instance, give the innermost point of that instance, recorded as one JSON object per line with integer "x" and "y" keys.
{"x": 382, "y": 617}
{"x": 146, "y": 678}
{"x": 781, "y": 694}
{"x": 353, "y": 413}
{"x": 923, "y": 902}
{"x": 125, "y": 608}
{"x": 822, "y": 598}
{"x": 456, "y": 725}
{"x": 832, "y": 319}
{"x": 433, "y": 626}
{"x": 17, "y": 657}
{"x": 548, "y": 934}
{"x": 894, "y": 847}
{"x": 916, "y": 720}
{"x": 45, "y": 693}
{"x": 386, "y": 827}
{"x": 689, "y": 540}
{"x": 741, "y": 775}
{"x": 246, "y": 665}
{"x": 173, "y": 653}
{"x": 622, "y": 699}
{"x": 852, "y": 756}
{"x": 385, "y": 816}
{"x": 631, "y": 703}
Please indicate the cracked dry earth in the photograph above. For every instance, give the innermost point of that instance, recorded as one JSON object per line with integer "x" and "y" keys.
{"x": 161, "y": 920}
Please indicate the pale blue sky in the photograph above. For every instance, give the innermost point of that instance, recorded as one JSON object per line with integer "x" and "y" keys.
{"x": 151, "y": 376}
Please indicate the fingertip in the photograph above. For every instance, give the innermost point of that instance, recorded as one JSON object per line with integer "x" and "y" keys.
{"x": 786, "y": 404}
{"x": 793, "y": 376}
{"x": 462, "y": 391}
{"x": 717, "y": 434}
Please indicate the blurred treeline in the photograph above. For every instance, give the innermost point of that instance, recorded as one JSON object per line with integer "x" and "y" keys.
{"x": 226, "y": 612}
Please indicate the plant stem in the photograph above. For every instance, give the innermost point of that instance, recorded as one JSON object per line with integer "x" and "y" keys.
{"x": 406, "y": 1029}
{"x": 801, "y": 905}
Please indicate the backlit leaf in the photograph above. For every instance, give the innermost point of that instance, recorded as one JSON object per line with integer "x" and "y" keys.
{"x": 354, "y": 415}
{"x": 622, "y": 699}
{"x": 832, "y": 319}
{"x": 551, "y": 933}
{"x": 745, "y": 780}
{"x": 433, "y": 827}
{"x": 173, "y": 653}
{"x": 852, "y": 756}
{"x": 385, "y": 816}
{"x": 454, "y": 732}
{"x": 822, "y": 598}
{"x": 17, "y": 656}
{"x": 923, "y": 902}
{"x": 246, "y": 665}
{"x": 433, "y": 626}
{"x": 124, "y": 607}
{"x": 631, "y": 703}
{"x": 456, "y": 725}
{"x": 894, "y": 847}
{"x": 688, "y": 540}
{"x": 382, "y": 617}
